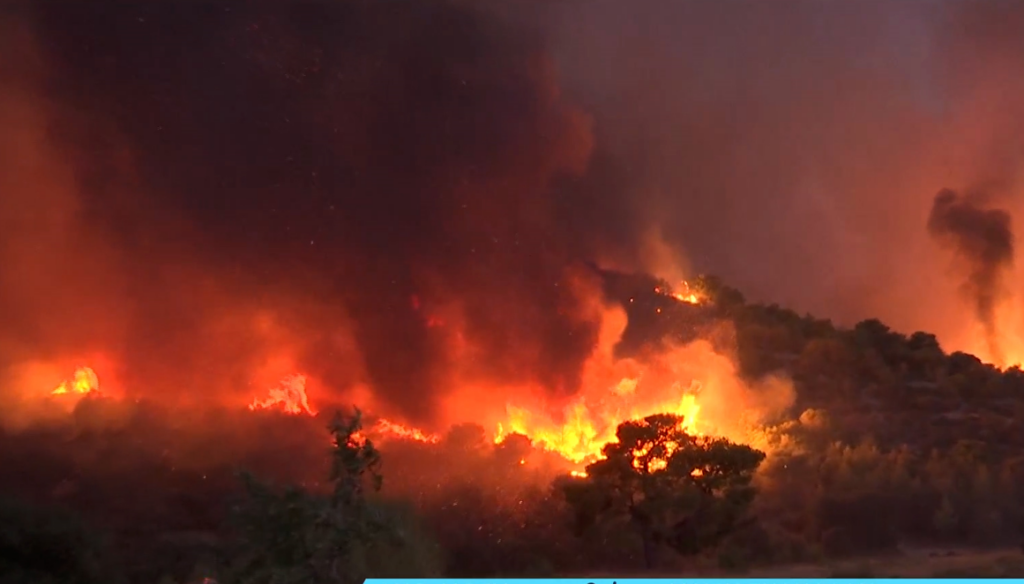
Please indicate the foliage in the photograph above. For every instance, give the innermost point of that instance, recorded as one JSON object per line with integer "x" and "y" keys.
{"x": 675, "y": 489}
{"x": 724, "y": 298}
{"x": 294, "y": 536}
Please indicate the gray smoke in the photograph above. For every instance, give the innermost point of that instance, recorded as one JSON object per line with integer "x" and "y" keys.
{"x": 983, "y": 239}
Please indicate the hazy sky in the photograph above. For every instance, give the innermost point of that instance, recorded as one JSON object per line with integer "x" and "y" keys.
{"x": 795, "y": 147}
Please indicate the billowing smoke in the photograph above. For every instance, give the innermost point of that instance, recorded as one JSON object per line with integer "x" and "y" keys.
{"x": 376, "y": 197}
{"x": 982, "y": 238}
{"x": 205, "y": 198}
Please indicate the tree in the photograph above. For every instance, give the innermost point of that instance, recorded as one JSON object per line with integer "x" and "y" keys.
{"x": 674, "y": 489}
{"x": 293, "y": 536}
{"x": 726, "y": 299}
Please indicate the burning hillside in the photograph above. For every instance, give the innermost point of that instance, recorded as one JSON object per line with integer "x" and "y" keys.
{"x": 695, "y": 380}
{"x": 480, "y": 223}
{"x": 404, "y": 217}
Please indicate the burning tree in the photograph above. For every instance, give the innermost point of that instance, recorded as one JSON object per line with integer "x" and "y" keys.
{"x": 686, "y": 492}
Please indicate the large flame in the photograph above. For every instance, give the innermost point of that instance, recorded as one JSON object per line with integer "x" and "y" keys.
{"x": 616, "y": 390}
{"x": 693, "y": 381}
{"x": 289, "y": 396}
{"x": 84, "y": 381}
{"x": 587, "y": 428}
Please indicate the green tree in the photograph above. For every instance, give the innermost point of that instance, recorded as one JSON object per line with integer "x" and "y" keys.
{"x": 674, "y": 489}
{"x": 293, "y": 536}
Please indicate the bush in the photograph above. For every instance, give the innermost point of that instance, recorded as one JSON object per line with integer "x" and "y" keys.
{"x": 294, "y": 536}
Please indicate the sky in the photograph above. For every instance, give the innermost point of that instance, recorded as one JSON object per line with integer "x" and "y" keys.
{"x": 215, "y": 194}
{"x": 794, "y": 147}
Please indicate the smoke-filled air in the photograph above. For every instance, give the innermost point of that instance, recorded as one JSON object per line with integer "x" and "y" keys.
{"x": 983, "y": 241}
{"x": 338, "y": 289}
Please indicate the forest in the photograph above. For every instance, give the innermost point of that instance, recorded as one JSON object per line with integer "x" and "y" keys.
{"x": 890, "y": 443}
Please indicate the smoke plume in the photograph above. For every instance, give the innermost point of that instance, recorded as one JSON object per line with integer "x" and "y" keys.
{"x": 380, "y": 198}
{"x": 394, "y": 200}
{"x": 982, "y": 239}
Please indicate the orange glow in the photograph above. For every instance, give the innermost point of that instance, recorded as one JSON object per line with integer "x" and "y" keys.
{"x": 588, "y": 428}
{"x": 387, "y": 428}
{"x": 84, "y": 381}
{"x": 620, "y": 389}
{"x": 695, "y": 381}
{"x": 1010, "y": 338}
{"x": 684, "y": 294}
{"x": 289, "y": 397}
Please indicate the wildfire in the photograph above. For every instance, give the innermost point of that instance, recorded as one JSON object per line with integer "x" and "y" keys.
{"x": 692, "y": 381}
{"x": 642, "y": 462}
{"x": 670, "y": 378}
{"x": 387, "y": 428}
{"x": 684, "y": 294}
{"x": 84, "y": 381}
{"x": 587, "y": 429}
{"x": 289, "y": 396}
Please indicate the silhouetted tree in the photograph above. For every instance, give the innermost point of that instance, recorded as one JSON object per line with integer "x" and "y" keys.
{"x": 685, "y": 491}
{"x": 294, "y": 536}
{"x": 728, "y": 300}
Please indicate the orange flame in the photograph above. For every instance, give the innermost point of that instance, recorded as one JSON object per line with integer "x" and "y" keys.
{"x": 693, "y": 381}
{"x": 387, "y": 428}
{"x": 684, "y": 294}
{"x": 84, "y": 381}
{"x": 289, "y": 396}
{"x": 587, "y": 429}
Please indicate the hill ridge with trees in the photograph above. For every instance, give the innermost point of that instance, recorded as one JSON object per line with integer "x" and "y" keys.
{"x": 891, "y": 442}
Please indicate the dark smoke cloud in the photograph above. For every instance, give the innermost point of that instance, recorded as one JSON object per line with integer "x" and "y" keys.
{"x": 351, "y": 167}
{"x": 983, "y": 238}
{"x": 188, "y": 188}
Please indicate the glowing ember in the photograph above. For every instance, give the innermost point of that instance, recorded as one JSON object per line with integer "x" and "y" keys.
{"x": 85, "y": 381}
{"x": 289, "y": 396}
{"x": 586, "y": 429}
{"x": 643, "y": 464}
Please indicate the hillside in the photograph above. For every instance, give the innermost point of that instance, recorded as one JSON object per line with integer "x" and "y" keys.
{"x": 890, "y": 442}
